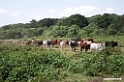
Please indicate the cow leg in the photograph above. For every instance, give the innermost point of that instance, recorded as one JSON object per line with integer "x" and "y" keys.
{"x": 81, "y": 49}
{"x": 61, "y": 47}
{"x": 86, "y": 50}
{"x": 74, "y": 49}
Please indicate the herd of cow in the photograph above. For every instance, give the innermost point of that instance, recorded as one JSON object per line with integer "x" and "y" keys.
{"x": 84, "y": 44}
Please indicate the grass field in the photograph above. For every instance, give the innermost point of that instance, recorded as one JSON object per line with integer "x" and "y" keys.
{"x": 75, "y": 57}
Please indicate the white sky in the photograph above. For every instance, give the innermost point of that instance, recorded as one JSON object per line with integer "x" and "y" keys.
{"x": 23, "y": 11}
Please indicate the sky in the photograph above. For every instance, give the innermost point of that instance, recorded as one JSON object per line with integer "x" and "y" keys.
{"x": 23, "y": 11}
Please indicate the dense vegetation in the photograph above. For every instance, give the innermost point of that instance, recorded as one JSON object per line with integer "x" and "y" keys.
{"x": 67, "y": 27}
{"x": 37, "y": 64}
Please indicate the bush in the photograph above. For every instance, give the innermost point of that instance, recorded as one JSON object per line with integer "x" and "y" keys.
{"x": 101, "y": 63}
{"x": 23, "y": 65}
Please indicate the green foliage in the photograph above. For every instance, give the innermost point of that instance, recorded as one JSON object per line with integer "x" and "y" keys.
{"x": 46, "y": 22}
{"x": 18, "y": 64}
{"x": 102, "y": 21}
{"x": 103, "y": 63}
{"x": 98, "y": 64}
{"x": 76, "y": 26}
{"x": 76, "y": 19}
{"x": 33, "y": 23}
{"x": 73, "y": 30}
{"x": 75, "y": 67}
{"x": 32, "y": 64}
{"x": 58, "y": 31}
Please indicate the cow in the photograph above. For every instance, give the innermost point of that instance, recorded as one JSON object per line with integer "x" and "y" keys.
{"x": 54, "y": 42}
{"x": 66, "y": 42}
{"x": 47, "y": 42}
{"x": 73, "y": 44}
{"x": 96, "y": 46}
{"x": 40, "y": 42}
{"x": 62, "y": 45}
{"x": 58, "y": 42}
{"x": 26, "y": 42}
{"x": 84, "y": 46}
{"x": 111, "y": 44}
{"x": 34, "y": 41}
{"x": 88, "y": 41}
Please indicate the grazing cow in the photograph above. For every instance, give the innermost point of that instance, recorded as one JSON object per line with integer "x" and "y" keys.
{"x": 34, "y": 41}
{"x": 26, "y": 42}
{"x": 54, "y": 42}
{"x": 88, "y": 41}
{"x": 97, "y": 46}
{"x": 111, "y": 43}
{"x": 66, "y": 42}
{"x": 47, "y": 43}
{"x": 84, "y": 45}
{"x": 62, "y": 45}
{"x": 58, "y": 42}
{"x": 73, "y": 44}
{"x": 40, "y": 42}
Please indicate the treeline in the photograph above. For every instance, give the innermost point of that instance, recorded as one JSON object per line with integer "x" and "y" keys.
{"x": 67, "y": 27}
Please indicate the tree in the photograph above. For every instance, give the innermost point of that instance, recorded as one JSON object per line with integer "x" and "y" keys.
{"x": 33, "y": 23}
{"x": 103, "y": 21}
{"x": 5, "y": 27}
{"x": 47, "y": 22}
{"x": 58, "y": 31}
{"x": 61, "y": 22}
{"x": 76, "y": 19}
{"x": 117, "y": 23}
{"x": 73, "y": 31}
{"x": 112, "y": 32}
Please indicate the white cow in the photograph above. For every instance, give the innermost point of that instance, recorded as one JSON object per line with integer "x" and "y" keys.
{"x": 62, "y": 45}
{"x": 97, "y": 46}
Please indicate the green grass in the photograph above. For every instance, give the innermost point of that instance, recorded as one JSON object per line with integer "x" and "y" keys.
{"x": 67, "y": 52}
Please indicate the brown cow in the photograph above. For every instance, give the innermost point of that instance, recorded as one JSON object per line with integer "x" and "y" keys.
{"x": 26, "y": 42}
{"x": 54, "y": 42}
{"x": 84, "y": 46}
{"x": 35, "y": 42}
{"x": 58, "y": 42}
{"x": 66, "y": 42}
